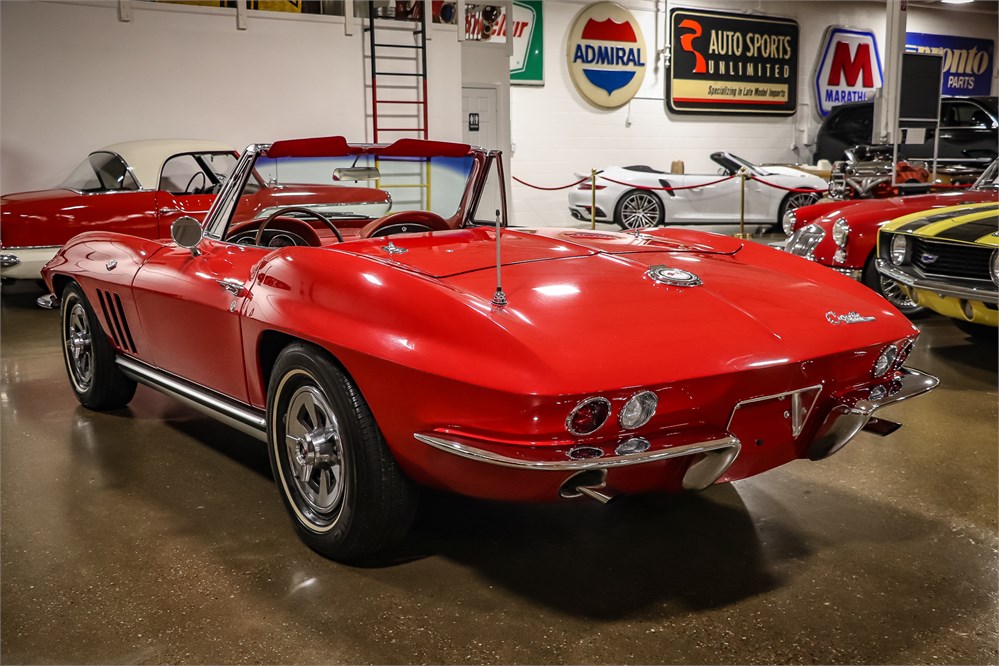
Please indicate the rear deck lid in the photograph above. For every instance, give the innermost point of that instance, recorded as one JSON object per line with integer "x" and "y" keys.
{"x": 450, "y": 253}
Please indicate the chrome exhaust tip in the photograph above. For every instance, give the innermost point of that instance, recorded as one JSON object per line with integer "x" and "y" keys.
{"x": 590, "y": 483}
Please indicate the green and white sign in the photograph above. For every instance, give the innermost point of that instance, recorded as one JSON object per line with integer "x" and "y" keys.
{"x": 527, "y": 62}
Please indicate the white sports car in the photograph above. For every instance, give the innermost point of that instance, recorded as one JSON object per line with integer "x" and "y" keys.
{"x": 715, "y": 198}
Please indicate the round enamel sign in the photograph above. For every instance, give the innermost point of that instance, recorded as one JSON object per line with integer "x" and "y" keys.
{"x": 606, "y": 54}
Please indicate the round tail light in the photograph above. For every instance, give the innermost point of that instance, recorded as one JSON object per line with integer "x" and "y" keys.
{"x": 588, "y": 416}
{"x": 884, "y": 361}
{"x": 638, "y": 410}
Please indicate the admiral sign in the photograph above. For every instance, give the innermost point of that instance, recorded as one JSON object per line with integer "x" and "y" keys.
{"x": 606, "y": 54}
{"x": 732, "y": 63}
{"x": 967, "y": 62}
{"x": 848, "y": 69}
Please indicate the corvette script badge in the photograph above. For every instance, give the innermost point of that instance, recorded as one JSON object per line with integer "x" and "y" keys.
{"x": 848, "y": 318}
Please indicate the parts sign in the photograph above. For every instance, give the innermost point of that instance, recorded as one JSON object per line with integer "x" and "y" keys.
{"x": 732, "y": 63}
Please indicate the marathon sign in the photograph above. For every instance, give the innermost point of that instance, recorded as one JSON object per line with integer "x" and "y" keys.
{"x": 848, "y": 68}
{"x": 723, "y": 62}
{"x": 606, "y": 54}
{"x": 967, "y": 61}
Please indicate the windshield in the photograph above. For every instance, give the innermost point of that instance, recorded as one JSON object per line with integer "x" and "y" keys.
{"x": 359, "y": 187}
{"x": 989, "y": 178}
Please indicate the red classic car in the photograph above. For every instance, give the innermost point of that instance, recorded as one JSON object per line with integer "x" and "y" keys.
{"x": 137, "y": 187}
{"x": 843, "y": 234}
{"x": 463, "y": 358}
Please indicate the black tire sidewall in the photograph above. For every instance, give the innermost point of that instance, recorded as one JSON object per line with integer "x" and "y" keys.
{"x": 109, "y": 388}
{"x": 295, "y": 368}
{"x": 379, "y": 501}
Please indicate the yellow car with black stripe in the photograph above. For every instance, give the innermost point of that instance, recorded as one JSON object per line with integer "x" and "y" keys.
{"x": 947, "y": 259}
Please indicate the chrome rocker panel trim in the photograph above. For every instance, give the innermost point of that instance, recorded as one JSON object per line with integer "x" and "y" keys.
{"x": 720, "y": 455}
{"x": 845, "y": 421}
{"x": 985, "y": 295}
{"x": 242, "y": 417}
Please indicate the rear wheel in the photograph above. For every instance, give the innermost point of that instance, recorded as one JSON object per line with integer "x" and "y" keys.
{"x": 891, "y": 291}
{"x": 347, "y": 496}
{"x": 90, "y": 359}
{"x": 639, "y": 209}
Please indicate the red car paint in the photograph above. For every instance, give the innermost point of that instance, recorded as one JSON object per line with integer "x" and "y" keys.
{"x": 412, "y": 321}
{"x": 866, "y": 216}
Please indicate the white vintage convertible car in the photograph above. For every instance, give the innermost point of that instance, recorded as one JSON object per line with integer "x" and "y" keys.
{"x": 623, "y": 195}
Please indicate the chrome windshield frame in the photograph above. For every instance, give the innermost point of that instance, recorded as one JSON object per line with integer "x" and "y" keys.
{"x": 217, "y": 218}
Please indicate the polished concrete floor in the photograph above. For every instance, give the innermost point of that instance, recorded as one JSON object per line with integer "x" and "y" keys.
{"x": 153, "y": 535}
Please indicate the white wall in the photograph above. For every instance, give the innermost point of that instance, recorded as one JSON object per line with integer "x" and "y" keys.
{"x": 556, "y": 133}
{"x": 75, "y": 78}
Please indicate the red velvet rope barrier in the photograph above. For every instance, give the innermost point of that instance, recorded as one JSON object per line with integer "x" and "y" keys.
{"x": 781, "y": 187}
{"x": 666, "y": 189}
{"x": 550, "y": 189}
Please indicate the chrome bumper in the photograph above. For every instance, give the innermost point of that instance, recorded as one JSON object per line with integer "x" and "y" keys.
{"x": 842, "y": 424}
{"x": 983, "y": 294}
{"x": 848, "y": 418}
{"x": 718, "y": 456}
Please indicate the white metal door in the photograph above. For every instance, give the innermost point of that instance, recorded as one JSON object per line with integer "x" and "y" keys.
{"x": 480, "y": 116}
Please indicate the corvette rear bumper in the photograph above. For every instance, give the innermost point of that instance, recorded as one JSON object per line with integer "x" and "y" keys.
{"x": 669, "y": 463}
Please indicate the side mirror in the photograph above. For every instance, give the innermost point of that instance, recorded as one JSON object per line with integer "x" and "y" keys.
{"x": 187, "y": 233}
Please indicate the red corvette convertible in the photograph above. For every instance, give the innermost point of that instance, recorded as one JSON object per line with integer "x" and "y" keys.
{"x": 375, "y": 361}
{"x": 844, "y": 234}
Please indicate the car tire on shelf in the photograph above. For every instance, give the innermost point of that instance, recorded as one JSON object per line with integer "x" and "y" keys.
{"x": 891, "y": 291}
{"x": 639, "y": 209}
{"x": 90, "y": 359}
{"x": 346, "y": 494}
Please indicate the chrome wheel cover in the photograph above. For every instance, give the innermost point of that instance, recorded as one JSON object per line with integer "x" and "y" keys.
{"x": 895, "y": 295}
{"x": 639, "y": 210}
{"x": 78, "y": 345}
{"x": 314, "y": 455}
{"x": 799, "y": 199}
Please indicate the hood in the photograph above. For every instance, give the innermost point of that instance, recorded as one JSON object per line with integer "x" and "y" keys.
{"x": 878, "y": 211}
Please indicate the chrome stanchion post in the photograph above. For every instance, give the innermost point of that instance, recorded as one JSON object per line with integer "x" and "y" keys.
{"x": 593, "y": 199}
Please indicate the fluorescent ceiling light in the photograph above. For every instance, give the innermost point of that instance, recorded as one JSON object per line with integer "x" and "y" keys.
{"x": 957, "y": 2}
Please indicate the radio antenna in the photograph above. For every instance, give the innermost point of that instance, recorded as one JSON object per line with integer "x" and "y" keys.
{"x": 499, "y": 298}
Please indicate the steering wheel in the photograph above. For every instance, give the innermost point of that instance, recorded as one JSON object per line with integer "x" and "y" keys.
{"x": 187, "y": 188}
{"x": 403, "y": 222}
{"x": 295, "y": 209}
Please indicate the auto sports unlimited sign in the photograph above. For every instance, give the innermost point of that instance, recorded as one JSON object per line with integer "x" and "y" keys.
{"x": 732, "y": 63}
{"x": 606, "y": 54}
{"x": 967, "y": 62}
{"x": 848, "y": 68}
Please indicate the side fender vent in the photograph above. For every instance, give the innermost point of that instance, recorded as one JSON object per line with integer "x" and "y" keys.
{"x": 114, "y": 317}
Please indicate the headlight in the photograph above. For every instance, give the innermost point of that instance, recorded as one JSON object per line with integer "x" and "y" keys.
{"x": 638, "y": 410}
{"x": 995, "y": 267}
{"x": 788, "y": 222}
{"x": 588, "y": 416}
{"x": 885, "y": 360}
{"x": 899, "y": 249}
{"x": 840, "y": 232}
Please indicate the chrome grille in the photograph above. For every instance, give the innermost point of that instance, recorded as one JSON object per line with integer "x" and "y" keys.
{"x": 956, "y": 260}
